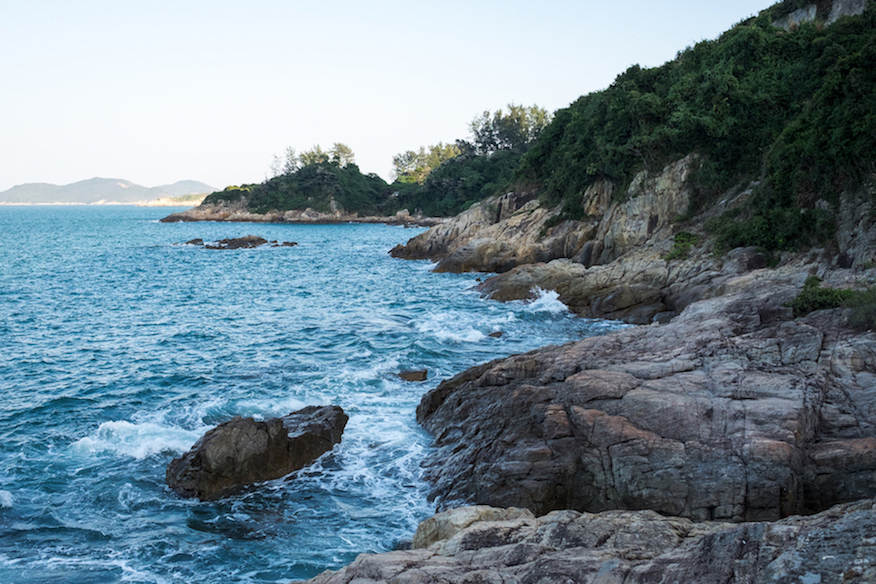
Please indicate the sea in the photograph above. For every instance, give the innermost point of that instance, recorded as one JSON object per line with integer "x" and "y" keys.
{"x": 121, "y": 344}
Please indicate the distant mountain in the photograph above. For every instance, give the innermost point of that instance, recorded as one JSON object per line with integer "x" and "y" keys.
{"x": 99, "y": 190}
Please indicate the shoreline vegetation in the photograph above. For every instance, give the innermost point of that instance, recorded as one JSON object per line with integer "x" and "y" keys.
{"x": 726, "y": 203}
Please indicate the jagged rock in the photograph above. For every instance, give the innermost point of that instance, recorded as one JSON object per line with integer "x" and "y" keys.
{"x": 497, "y": 234}
{"x": 732, "y": 411}
{"x": 629, "y": 547}
{"x": 244, "y": 451}
{"x": 502, "y": 232}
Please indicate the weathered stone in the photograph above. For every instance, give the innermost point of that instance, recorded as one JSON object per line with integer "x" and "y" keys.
{"x": 719, "y": 414}
{"x": 628, "y": 547}
{"x": 244, "y": 451}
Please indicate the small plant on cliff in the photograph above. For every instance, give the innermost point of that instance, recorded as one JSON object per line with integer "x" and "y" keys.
{"x": 863, "y": 305}
{"x": 683, "y": 241}
{"x": 814, "y": 297}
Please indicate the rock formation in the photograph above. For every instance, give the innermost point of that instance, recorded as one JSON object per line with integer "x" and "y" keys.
{"x": 487, "y": 545}
{"x": 244, "y": 451}
{"x": 733, "y": 411}
{"x": 512, "y": 230}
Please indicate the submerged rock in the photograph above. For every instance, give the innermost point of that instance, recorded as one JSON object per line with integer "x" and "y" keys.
{"x": 631, "y": 547}
{"x": 246, "y": 242}
{"x": 244, "y": 451}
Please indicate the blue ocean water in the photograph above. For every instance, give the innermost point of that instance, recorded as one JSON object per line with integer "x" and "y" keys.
{"x": 121, "y": 346}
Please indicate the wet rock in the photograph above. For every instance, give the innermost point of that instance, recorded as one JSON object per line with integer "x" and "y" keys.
{"x": 496, "y": 334}
{"x": 414, "y": 374}
{"x": 630, "y": 547}
{"x": 246, "y": 242}
{"x": 244, "y": 451}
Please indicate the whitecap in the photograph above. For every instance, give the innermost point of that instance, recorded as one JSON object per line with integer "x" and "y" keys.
{"x": 6, "y": 500}
{"x": 449, "y": 327}
{"x": 546, "y": 301}
{"x": 136, "y": 440}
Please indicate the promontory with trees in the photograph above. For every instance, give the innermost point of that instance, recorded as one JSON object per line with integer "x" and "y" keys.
{"x": 726, "y": 203}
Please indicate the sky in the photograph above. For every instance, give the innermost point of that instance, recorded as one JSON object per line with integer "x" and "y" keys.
{"x": 160, "y": 91}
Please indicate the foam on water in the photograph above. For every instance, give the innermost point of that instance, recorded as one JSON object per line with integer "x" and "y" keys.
{"x": 546, "y": 301}
{"x": 136, "y": 440}
{"x": 6, "y": 500}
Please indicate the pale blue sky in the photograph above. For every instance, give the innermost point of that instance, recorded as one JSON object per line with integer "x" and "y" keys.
{"x": 160, "y": 91}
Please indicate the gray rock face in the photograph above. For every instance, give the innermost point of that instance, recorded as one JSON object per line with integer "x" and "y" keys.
{"x": 501, "y": 546}
{"x": 733, "y": 411}
{"x": 244, "y": 451}
{"x": 503, "y": 232}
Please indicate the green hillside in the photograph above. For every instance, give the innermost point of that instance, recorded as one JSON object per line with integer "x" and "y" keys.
{"x": 795, "y": 109}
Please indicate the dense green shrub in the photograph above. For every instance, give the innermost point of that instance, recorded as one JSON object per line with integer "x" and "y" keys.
{"x": 315, "y": 186}
{"x": 863, "y": 313}
{"x": 459, "y": 182}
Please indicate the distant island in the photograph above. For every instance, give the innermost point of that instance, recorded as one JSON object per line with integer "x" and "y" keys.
{"x": 105, "y": 191}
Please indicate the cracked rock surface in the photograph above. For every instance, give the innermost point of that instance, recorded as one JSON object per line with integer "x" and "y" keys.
{"x": 733, "y": 411}
{"x": 505, "y": 546}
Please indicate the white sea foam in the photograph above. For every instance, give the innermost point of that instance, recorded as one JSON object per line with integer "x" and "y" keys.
{"x": 136, "y": 440}
{"x": 267, "y": 408}
{"x": 6, "y": 500}
{"x": 547, "y": 301}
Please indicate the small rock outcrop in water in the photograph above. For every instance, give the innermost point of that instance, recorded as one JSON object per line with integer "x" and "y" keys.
{"x": 488, "y": 545}
{"x": 244, "y": 451}
{"x": 245, "y": 242}
{"x": 414, "y": 374}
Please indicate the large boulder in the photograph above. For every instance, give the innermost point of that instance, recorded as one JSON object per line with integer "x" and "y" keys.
{"x": 244, "y": 451}
{"x": 630, "y": 547}
{"x": 733, "y": 411}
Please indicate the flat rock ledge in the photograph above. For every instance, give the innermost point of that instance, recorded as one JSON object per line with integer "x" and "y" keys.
{"x": 734, "y": 411}
{"x": 244, "y": 451}
{"x": 504, "y": 546}
{"x": 245, "y": 242}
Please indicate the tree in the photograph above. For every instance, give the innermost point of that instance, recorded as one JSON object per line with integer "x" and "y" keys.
{"x": 516, "y": 130}
{"x": 342, "y": 155}
{"x": 414, "y": 166}
{"x": 315, "y": 155}
{"x": 288, "y": 164}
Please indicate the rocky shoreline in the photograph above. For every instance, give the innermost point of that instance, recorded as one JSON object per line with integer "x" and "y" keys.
{"x": 238, "y": 213}
{"x": 484, "y": 544}
{"x": 725, "y": 440}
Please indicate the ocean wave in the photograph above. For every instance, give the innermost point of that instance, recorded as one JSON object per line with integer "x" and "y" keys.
{"x": 136, "y": 440}
{"x": 6, "y": 500}
{"x": 449, "y": 327}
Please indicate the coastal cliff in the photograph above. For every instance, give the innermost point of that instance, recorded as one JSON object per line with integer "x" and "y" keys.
{"x": 731, "y": 436}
